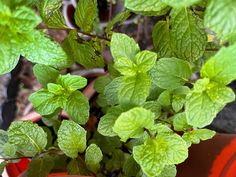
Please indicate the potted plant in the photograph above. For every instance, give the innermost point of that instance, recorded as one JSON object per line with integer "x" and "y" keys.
{"x": 149, "y": 107}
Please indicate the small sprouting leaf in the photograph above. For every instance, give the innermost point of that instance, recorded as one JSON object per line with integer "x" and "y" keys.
{"x": 122, "y": 46}
{"x": 145, "y": 60}
{"x": 165, "y": 98}
{"x": 188, "y": 34}
{"x": 111, "y": 91}
{"x": 202, "y": 107}
{"x": 28, "y": 138}
{"x": 155, "y": 154}
{"x": 180, "y": 3}
{"x": 50, "y": 53}
{"x": 50, "y": 11}
{"x": 24, "y": 20}
{"x": 45, "y": 74}
{"x": 162, "y": 45}
{"x": 144, "y": 7}
{"x": 177, "y": 102}
{"x": 125, "y": 66}
{"x": 131, "y": 124}
{"x": 55, "y": 88}
{"x": 93, "y": 156}
{"x": 46, "y": 103}
{"x": 71, "y": 138}
{"x": 194, "y": 136}
{"x": 134, "y": 89}
{"x": 219, "y": 16}
{"x": 180, "y": 122}
{"x": 107, "y": 121}
{"x": 9, "y": 150}
{"x": 85, "y": 14}
{"x": 171, "y": 73}
{"x": 77, "y": 106}
{"x": 40, "y": 167}
{"x": 218, "y": 69}
{"x": 72, "y": 82}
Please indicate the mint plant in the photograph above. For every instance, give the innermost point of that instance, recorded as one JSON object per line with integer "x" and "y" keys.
{"x": 152, "y": 109}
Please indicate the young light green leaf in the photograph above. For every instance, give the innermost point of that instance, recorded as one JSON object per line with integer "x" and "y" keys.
{"x": 219, "y": 16}
{"x": 28, "y": 138}
{"x": 144, "y": 7}
{"x": 218, "y": 68}
{"x": 40, "y": 167}
{"x": 145, "y": 60}
{"x": 134, "y": 89}
{"x": 50, "y": 11}
{"x": 45, "y": 74}
{"x": 177, "y": 102}
{"x": 194, "y": 136}
{"x": 9, "y": 150}
{"x": 180, "y": 122}
{"x": 168, "y": 171}
{"x": 55, "y": 89}
{"x": 5, "y": 13}
{"x": 107, "y": 121}
{"x": 131, "y": 124}
{"x": 171, "y": 73}
{"x": 180, "y": 3}
{"x": 122, "y": 46}
{"x": 155, "y": 154}
{"x": 188, "y": 35}
{"x": 111, "y": 91}
{"x": 72, "y": 82}
{"x": 93, "y": 156}
{"x": 24, "y": 20}
{"x": 46, "y": 103}
{"x": 125, "y": 66}
{"x": 77, "y": 107}
{"x": 165, "y": 98}
{"x": 202, "y": 107}
{"x": 71, "y": 138}
{"x": 85, "y": 14}
{"x": 162, "y": 40}
{"x": 50, "y": 53}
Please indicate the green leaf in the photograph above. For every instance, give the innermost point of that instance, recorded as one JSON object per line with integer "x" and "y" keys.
{"x": 71, "y": 138}
{"x": 77, "y": 107}
{"x": 145, "y": 60}
{"x": 107, "y": 121}
{"x": 130, "y": 167}
{"x": 131, "y": 124}
{"x": 3, "y": 164}
{"x": 171, "y": 73}
{"x": 50, "y": 53}
{"x": 144, "y": 7}
{"x": 72, "y": 82}
{"x": 3, "y": 140}
{"x": 134, "y": 89}
{"x": 122, "y": 46}
{"x": 45, "y": 74}
{"x": 194, "y": 136}
{"x": 46, "y": 103}
{"x": 177, "y": 102}
{"x": 125, "y": 66}
{"x": 180, "y": 3}
{"x": 40, "y": 167}
{"x": 93, "y": 157}
{"x": 9, "y": 150}
{"x": 180, "y": 122}
{"x": 116, "y": 162}
{"x": 5, "y": 13}
{"x": 28, "y": 138}
{"x": 55, "y": 89}
{"x": 101, "y": 82}
{"x": 155, "y": 154}
{"x": 202, "y": 107}
{"x": 168, "y": 171}
{"x": 188, "y": 34}
{"x": 85, "y": 14}
{"x": 83, "y": 53}
{"x": 24, "y": 20}
{"x": 73, "y": 167}
{"x": 221, "y": 67}
{"x": 219, "y": 16}
{"x": 163, "y": 44}
{"x": 165, "y": 98}
{"x": 153, "y": 106}
{"x": 111, "y": 91}
{"x": 50, "y": 11}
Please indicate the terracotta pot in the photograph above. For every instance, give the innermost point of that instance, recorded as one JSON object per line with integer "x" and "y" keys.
{"x": 212, "y": 158}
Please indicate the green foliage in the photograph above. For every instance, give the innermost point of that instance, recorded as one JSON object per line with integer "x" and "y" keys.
{"x": 147, "y": 98}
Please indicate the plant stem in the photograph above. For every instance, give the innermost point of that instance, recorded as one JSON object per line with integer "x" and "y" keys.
{"x": 93, "y": 35}
{"x": 110, "y": 10}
